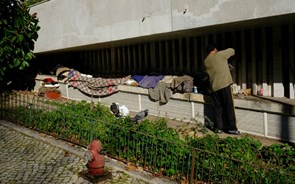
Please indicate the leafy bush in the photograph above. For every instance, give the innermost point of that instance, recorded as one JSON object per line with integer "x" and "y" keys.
{"x": 18, "y": 31}
{"x": 158, "y": 148}
{"x": 32, "y": 2}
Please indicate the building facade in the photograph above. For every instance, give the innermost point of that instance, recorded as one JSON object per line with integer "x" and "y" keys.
{"x": 169, "y": 37}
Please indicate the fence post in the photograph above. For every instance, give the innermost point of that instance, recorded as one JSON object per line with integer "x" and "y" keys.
{"x": 1, "y": 104}
{"x": 265, "y": 125}
{"x": 67, "y": 90}
{"x": 30, "y": 106}
{"x": 139, "y": 102}
{"x": 193, "y": 166}
{"x": 193, "y": 110}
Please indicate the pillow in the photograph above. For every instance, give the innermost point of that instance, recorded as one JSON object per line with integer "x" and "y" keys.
{"x": 131, "y": 82}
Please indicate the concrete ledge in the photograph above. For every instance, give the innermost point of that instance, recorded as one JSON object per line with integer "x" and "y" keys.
{"x": 252, "y": 103}
{"x": 264, "y": 105}
{"x": 177, "y": 96}
{"x": 248, "y": 102}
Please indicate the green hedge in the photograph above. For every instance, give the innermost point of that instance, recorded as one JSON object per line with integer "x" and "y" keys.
{"x": 158, "y": 148}
{"x": 32, "y": 2}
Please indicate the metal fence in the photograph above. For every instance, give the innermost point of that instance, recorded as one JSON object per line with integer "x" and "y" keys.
{"x": 204, "y": 162}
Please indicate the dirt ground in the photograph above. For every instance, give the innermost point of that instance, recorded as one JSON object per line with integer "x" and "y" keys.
{"x": 194, "y": 129}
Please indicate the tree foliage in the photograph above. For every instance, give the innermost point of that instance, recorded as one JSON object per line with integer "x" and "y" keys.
{"x": 18, "y": 33}
{"x": 32, "y": 2}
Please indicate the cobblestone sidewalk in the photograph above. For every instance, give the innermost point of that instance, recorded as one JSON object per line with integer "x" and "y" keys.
{"x": 30, "y": 160}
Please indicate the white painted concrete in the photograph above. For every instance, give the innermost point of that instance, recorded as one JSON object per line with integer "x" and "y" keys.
{"x": 71, "y": 23}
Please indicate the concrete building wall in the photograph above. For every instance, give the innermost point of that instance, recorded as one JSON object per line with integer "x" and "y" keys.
{"x": 72, "y": 23}
{"x": 257, "y": 117}
{"x": 169, "y": 36}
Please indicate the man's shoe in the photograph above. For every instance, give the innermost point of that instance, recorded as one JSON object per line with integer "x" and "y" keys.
{"x": 218, "y": 131}
{"x": 235, "y": 132}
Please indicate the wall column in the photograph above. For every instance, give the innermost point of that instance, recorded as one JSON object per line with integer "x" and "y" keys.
{"x": 253, "y": 63}
{"x": 292, "y": 63}
{"x": 278, "y": 88}
{"x": 243, "y": 56}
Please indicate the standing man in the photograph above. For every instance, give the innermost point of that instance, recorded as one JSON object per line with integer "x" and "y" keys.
{"x": 216, "y": 65}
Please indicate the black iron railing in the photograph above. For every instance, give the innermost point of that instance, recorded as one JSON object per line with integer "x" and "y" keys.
{"x": 205, "y": 160}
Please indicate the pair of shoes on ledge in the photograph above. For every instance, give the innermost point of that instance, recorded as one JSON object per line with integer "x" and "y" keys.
{"x": 235, "y": 132}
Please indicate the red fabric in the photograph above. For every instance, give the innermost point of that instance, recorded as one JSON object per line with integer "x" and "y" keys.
{"x": 49, "y": 80}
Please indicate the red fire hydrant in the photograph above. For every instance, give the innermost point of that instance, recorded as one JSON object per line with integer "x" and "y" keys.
{"x": 95, "y": 159}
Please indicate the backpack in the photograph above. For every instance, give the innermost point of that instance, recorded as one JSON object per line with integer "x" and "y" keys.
{"x": 187, "y": 86}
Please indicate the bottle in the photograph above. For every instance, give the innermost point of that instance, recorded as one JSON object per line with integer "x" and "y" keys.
{"x": 261, "y": 91}
{"x": 258, "y": 89}
{"x": 195, "y": 89}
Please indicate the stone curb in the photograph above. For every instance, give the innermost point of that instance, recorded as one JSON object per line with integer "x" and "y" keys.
{"x": 80, "y": 151}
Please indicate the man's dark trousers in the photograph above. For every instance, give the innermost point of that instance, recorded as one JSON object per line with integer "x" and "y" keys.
{"x": 224, "y": 110}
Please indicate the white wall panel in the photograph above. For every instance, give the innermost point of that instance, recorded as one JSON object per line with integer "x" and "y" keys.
{"x": 282, "y": 127}
{"x": 70, "y": 23}
{"x": 250, "y": 121}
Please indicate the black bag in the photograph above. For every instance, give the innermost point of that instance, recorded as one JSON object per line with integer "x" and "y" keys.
{"x": 201, "y": 80}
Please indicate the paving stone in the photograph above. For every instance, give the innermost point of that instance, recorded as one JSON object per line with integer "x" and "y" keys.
{"x": 26, "y": 159}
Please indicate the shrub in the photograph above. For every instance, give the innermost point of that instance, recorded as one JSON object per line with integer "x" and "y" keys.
{"x": 158, "y": 148}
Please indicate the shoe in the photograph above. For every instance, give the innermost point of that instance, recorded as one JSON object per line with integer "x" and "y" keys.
{"x": 235, "y": 132}
{"x": 218, "y": 131}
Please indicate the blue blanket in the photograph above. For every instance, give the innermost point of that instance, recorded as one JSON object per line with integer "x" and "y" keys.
{"x": 150, "y": 81}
